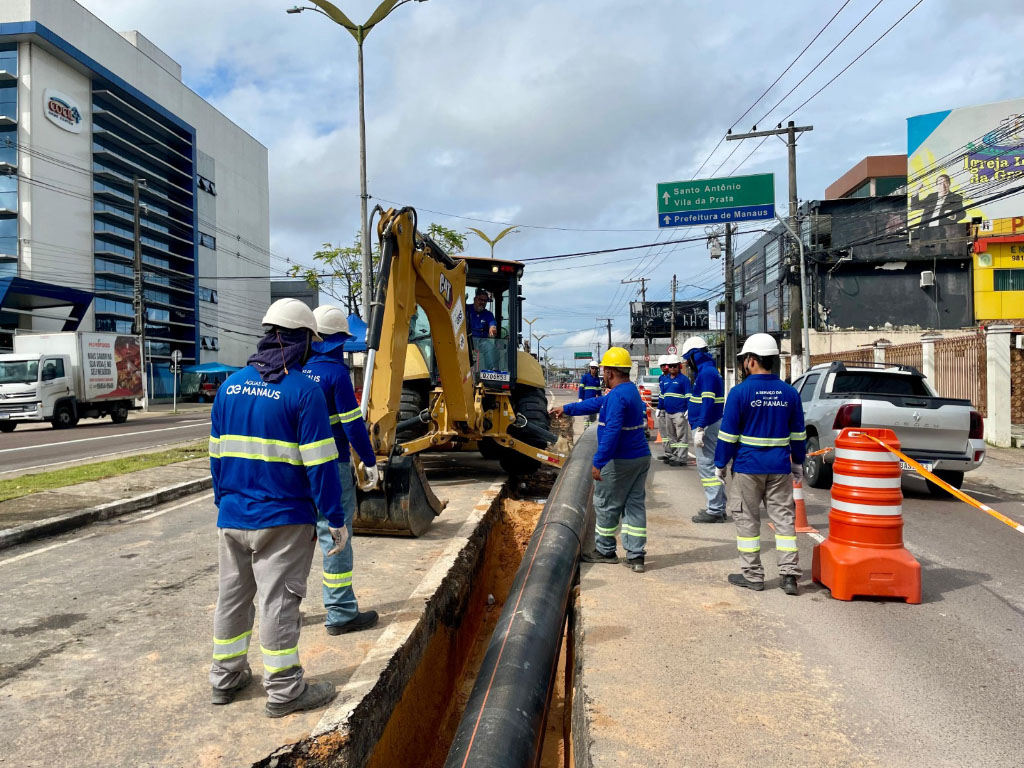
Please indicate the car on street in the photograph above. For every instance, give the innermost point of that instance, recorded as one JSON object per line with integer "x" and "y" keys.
{"x": 945, "y": 435}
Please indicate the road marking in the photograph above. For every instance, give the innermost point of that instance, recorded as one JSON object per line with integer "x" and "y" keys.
{"x": 817, "y": 537}
{"x": 171, "y": 509}
{"x": 89, "y": 459}
{"x": 39, "y": 551}
{"x": 191, "y": 425}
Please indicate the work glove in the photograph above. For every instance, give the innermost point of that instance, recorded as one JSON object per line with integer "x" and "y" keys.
{"x": 659, "y": 413}
{"x": 720, "y": 473}
{"x": 798, "y": 472}
{"x": 698, "y": 438}
{"x": 340, "y": 536}
{"x": 371, "y": 475}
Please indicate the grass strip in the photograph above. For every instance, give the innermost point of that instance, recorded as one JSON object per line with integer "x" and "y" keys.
{"x": 59, "y": 478}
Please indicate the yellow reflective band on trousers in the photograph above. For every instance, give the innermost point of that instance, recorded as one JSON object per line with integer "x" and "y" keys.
{"x": 279, "y": 661}
{"x": 785, "y": 543}
{"x": 748, "y": 543}
{"x": 632, "y": 530}
{"x": 232, "y": 647}
{"x": 335, "y": 580}
{"x": 710, "y": 482}
{"x": 606, "y": 531}
{"x": 264, "y": 449}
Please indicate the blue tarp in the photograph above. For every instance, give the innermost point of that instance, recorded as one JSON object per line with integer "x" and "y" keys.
{"x": 357, "y": 328}
{"x": 210, "y": 368}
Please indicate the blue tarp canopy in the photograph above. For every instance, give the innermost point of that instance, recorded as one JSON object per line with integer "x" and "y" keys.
{"x": 210, "y": 368}
{"x": 357, "y": 328}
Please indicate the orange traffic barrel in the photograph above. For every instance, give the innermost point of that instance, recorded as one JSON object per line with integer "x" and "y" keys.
{"x": 864, "y": 553}
{"x": 802, "y": 526}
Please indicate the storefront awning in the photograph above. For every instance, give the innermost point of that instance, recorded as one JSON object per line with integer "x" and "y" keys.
{"x": 19, "y": 296}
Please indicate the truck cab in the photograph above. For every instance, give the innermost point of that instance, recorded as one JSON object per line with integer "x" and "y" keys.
{"x": 35, "y": 387}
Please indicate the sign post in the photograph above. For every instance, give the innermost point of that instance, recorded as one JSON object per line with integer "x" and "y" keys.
{"x": 175, "y": 367}
{"x": 716, "y": 201}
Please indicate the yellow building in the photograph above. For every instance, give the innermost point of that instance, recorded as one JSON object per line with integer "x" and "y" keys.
{"x": 999, "y": 270}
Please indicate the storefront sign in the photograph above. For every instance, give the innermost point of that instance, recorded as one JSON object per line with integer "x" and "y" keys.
{"x": 62, "y": 110}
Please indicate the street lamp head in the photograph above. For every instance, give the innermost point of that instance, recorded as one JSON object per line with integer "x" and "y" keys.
{"x": 294, "y": 9}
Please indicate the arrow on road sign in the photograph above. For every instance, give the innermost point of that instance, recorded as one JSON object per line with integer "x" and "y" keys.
{"x": 667, "y": 219}
{"x": 666, "y": 198}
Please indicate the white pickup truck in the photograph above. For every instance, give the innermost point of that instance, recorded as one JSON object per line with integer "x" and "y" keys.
{"x": 63, "y": 377}
{"x": 945, "y": 435}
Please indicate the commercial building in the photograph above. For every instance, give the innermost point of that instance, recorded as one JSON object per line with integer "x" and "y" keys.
{"x": 89, "y": 117}
{"x": 874, "y": 176}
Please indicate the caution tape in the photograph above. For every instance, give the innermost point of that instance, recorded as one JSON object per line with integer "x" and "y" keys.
{"x": 943, "y": 484}
{"x": 822, "y": 452}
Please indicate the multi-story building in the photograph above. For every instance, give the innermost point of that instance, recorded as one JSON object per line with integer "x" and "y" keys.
{"x": 87, "y": 117}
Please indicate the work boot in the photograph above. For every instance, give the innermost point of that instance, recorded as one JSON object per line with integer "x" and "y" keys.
{"x": 635, "y": 564}
{"x": 676, "y": 463}
{"x": 739, "y": 580}
{"x": 665, "y": 458}
{"x": 788, "y": 585}
{"x": 315, "y": 696}
{"x": 704, "y": 517}
{"x": 599, "y": 557}
{"x": 362, "y": 620}
{"x": 227, "y": 695}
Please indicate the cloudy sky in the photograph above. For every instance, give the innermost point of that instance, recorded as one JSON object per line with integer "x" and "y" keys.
{"x": 561, "y": 117}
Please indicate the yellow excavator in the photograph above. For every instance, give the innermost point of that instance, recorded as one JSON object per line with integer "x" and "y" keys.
{"x": 429, "y": 383}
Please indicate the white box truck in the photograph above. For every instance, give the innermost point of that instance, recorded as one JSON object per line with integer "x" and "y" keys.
{"x": 64, "y": 377}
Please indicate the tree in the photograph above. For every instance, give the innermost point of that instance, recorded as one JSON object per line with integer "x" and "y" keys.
{"x": 337, "y": 270}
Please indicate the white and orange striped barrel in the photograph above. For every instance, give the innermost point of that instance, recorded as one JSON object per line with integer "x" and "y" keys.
{"x": 867, "y": 500}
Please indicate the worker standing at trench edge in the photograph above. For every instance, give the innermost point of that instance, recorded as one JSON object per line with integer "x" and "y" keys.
{"x": 621, "y": 463}
{"x": 676, "y": 399}
{"x": 704, "y": 412}
{"x": 763, "y": 436}
{"x": 590, "y": 387}
{"x": 327, "y": 368}
{"x": 659, "y": 414}
{"x": 273, "y": 461}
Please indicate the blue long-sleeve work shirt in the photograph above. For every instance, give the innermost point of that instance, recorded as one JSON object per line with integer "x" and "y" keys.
{"x": 675, "y": 394}
{"x": 272, "y": 455}
{"x": 329, "y": 371}
{"x": 590, "y": 386}
{"x": 620, "y": 423}
{"x": 707, "y": 401}
{"x": 762, "y": 430}
{"x": 661, "y": 391}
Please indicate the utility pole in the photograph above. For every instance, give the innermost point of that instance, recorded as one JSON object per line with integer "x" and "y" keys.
{"x": 608, "y": 322}
{"x": 792, "y": 132}
{"x": 138, "y": 292}
{"x": 672, "y": 333}
{"x": 643, "y": 301}
{"x": 729, "y": 364}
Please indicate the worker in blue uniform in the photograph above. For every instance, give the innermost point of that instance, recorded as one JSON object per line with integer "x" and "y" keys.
{"x": 327, "y": 368}
{"x": 707, "y": 401}
{"x": 676, "y": 399}
{"x": 483, "y": 329}
{"x": 274, "y": 465}
{"x": 590, "y": 386}
{"x": 659, "y": 413}
{"x": 620, "y": 464}
{"x": 763, "y": 436}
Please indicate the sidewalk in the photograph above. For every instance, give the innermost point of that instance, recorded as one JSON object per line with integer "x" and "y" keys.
{"x": 1001, "y": 469}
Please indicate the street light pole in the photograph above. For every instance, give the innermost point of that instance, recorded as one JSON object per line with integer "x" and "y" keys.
{"x": 529, "y": 333}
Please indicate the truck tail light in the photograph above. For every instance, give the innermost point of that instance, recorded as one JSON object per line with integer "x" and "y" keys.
{"x": 977, "y": 426}
{"x": 848, "y": 416}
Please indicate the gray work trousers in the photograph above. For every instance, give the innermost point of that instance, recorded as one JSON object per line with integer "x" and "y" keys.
{"x": 272, "y": 563}
{"x": 622, "y": 496}
{"x": 746, "y": 494}
{"x": 677, "y": 439}
{"x": 714, "y": 489}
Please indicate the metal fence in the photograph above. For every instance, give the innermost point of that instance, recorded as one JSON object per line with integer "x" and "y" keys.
{"x": 904, "y": 354}
{"x": 961, "y": 369}
{"x": 861, "y": 355}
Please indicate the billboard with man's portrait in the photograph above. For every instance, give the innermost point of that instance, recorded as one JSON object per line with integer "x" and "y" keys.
{"x": 958, "y": 158}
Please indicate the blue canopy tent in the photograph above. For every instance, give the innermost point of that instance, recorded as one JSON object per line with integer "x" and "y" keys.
{"x": 210, "y": 368}
{"x": 203, "y": 381}
{"x": 357, "y": 328}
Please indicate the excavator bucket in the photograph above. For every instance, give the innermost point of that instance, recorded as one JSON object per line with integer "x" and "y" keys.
{"x": 403, "y": 506}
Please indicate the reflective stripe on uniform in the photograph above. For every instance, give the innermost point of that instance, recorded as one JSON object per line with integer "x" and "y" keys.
{"x": 278, "y": 661}
{"x": 639, "y": 426}
{"x": 763, "y": 442}
{"x": 728, "y": 437}
{"x": 606, "y": 531}
{"x": 632, "y": 530}
{"x": 231, "y": 648}
{"x": 318, "y": 452}
{"x": 710, "y": 482}
{"x": 678, "y": 445}
{"x": 265, "y": 449}
{"x": 673, "y": 394}
{"x": 748, "y": 543}
{"x": 335, "y": 580}
{"x": 867, "y": 482}
{"x": 345, "y": 418}
{"x": 595, "y": 389}
{"x": 798, "y": 435}
{"x": 785, "y": 543}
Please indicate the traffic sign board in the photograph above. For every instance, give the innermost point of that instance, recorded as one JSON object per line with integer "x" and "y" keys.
{"x": 176, "y": 355}
{"x": 672, "y": 350}
{"x": 716, "y": 201}
{"x": 174, "y": 368}
{"x": 582, "y": 355}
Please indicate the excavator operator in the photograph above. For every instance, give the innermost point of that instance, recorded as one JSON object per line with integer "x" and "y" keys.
{"x": 481, "y": 321}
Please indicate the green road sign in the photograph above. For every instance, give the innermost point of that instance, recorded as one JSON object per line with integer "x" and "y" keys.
{"x": 712, "y": 201}
{"x": 583, "y": 355}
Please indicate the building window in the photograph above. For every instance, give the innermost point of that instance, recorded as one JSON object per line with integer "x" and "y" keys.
{"x": 9, "y": 58}
{"x": 771, "y": 260}
{"x": 1009, "y": 279}
{"x": 752, "y": 317}
{"x": 207, "y": 185}
{"x": 112, "y": 325}
{"x": 207, "y": 294}
{"x": 112, "y": 307}
{"x": 207, "y": 241}
{"x": 9, "y": 237}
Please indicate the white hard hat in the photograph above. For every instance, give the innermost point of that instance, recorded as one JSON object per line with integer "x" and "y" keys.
{"x": 291, "y": 313}
{"x": 692, "y": 343}
{"x": 330, "y": 320}
{"x": 661, "y": 360}
{"x": 760, "y": 344}
{"x": 673, "y": 360}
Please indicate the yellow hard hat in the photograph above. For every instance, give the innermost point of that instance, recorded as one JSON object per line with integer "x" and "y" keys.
{"x": 617, "y": 357}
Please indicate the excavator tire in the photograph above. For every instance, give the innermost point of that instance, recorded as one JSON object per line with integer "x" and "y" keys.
{"x": 413, "y": 401}
{"x": 532, "y": 404}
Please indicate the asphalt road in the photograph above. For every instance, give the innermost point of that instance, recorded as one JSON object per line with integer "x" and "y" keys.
{"x": 40, "y": 447}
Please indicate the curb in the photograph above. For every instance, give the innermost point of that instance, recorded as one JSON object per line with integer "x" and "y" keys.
{"x": 71, "y": 520}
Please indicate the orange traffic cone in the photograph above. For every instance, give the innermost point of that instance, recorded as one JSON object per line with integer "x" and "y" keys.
{"x": 659, "y": 437}
{"x": 864, "y": 553}
{"x": 802, "y": 526}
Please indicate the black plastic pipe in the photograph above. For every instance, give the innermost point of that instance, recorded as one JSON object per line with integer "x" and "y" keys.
{"x": 503, "y": 725}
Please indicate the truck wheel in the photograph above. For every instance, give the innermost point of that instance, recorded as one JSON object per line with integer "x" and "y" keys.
{"x": 412, "y": 403}
{"x": 120, "y": 414}
{"x": 7, "y": 426}
{"x": 534, "y": 406}
{"x": 817, "y": 472}
{"x": 956, "y": 479}
{"x": 63, "y": 417}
